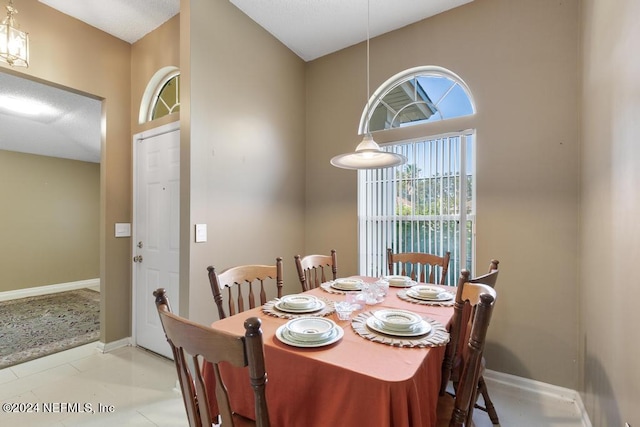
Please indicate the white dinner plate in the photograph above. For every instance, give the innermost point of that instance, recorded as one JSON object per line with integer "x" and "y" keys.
{"x": 347, "y": 284}
{"x": 298, "y": 301}
{"x": 443, "y": 296}
{"x": 282, "y": 333}
{"x": 427, "y": 291}
{"x": 400, "y": 281}
{"x": 397, "y": 320}
{"x": 309, "y": 328}
{"x": 282, "y": 306}
{"x": 421, "y": 328}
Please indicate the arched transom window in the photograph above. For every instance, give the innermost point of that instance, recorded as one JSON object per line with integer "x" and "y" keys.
{"x": 162, "y": 95}
{"x": 168, "y": 99}
{"x": 418, "y": 95}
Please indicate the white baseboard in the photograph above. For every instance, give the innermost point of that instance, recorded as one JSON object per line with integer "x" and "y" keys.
{"x": 49, "y": 289}
{"x": 106, "y": 348}
{"x": 538, "y": 387}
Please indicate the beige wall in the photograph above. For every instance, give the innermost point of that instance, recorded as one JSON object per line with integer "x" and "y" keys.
{"x": 520, "y": 61}
{"x": 246, "y": 139}
{"x": 71, "y": 54}
{"x": 49, "y": 220}
{"x": 158, "y": 49}
{"x": 610, "y": 248}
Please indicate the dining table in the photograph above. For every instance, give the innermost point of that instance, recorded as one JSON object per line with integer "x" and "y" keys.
{"x": 362, "y": 379}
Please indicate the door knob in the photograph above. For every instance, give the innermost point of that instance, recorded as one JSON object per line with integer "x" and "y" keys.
{"x": 137, "y": 258}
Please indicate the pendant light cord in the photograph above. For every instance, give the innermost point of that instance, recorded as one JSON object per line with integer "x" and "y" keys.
{"x": 368, "y": 87}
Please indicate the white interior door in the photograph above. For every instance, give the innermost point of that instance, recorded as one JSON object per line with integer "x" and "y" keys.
{"x": 156, "y": 231}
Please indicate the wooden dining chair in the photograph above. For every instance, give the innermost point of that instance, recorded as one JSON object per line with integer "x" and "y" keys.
{"x": 490, "y": 279}
{"x": 419, "y": 266}
{"x": 235, "y": 279}
{"x": 313, "y": 269}
{"x": 461, "y": 323}
{"x": 456, "y": 410}
{"x": 191, "y": 343}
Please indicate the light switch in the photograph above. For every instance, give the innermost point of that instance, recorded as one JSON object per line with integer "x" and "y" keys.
{"x": 201, "y": 233}
{"x": 123, "y": 229}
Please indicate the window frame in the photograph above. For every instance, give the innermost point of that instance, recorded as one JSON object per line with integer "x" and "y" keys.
{"x": 376, "y": 264}
{"x": 372, "y": 244}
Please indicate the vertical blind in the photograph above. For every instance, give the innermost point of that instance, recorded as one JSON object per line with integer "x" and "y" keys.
{"x": 426, "y": 205}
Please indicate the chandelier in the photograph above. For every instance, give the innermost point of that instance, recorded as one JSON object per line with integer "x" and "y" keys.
{"x": 14, "y": 44}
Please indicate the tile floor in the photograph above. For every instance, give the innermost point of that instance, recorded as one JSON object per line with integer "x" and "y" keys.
{"x": 139, "y": 385}
{"x": 522, "y": 408}
{"x": 137, "y": 388}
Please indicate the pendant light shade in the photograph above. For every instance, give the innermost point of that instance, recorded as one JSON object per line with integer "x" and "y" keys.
{"x": 368, "y": 154}
{"x": 14, "y": 44}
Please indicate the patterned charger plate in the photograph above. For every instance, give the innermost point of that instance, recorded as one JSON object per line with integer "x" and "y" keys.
{"x": 438, "y": 336}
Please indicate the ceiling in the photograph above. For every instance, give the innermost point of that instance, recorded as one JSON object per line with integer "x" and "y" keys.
{"x": 314, "y": 28}
{"x": 129, "y": 20}
{"x": 310, "y": 28}
{"x": 67, "y": 126}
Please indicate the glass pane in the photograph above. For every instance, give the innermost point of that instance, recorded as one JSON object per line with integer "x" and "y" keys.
{"x": 168, "y": 100}
{"x": 435, "y": 86}
{"x": 455, "y": 104}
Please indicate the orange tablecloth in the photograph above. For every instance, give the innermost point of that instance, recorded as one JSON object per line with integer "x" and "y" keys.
{"x": 353, "y": 382}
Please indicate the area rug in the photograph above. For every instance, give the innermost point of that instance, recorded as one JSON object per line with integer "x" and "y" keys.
{"x": 34, "y": 327}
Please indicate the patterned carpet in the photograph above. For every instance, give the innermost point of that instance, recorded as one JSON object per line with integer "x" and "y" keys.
{"x": 38, "y": 326}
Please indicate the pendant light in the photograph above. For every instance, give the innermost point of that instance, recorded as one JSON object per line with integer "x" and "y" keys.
{"x": 368, "y": 154}
{"x": 14, "y": 44}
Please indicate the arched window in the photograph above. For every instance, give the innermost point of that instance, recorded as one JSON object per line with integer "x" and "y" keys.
{"x": 162, "y": 95}
{"x": 418, "y": 95}
{"x": 428, "y": 204}
{"x": 168, "y": 99}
